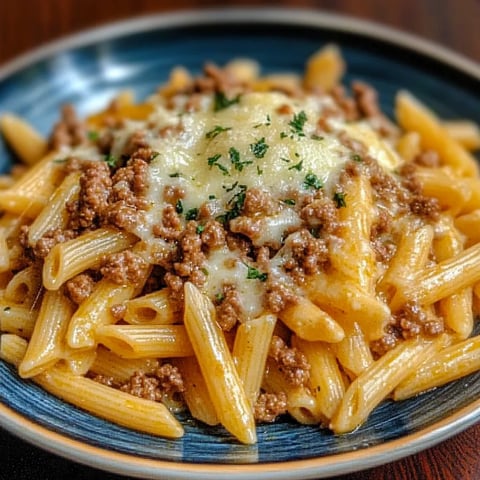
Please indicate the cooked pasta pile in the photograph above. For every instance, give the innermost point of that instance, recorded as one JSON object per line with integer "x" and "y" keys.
{"x": 244, "y": 247}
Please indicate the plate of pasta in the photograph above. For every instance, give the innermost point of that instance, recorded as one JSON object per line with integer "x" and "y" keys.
{"x": 236, "y": 247}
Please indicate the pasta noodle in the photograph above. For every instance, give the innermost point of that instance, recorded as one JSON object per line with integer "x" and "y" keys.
{"x": 242, "y": 246}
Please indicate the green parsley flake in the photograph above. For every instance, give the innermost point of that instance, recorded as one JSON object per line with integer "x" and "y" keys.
{"x": 298, "y": 166}
{"x": 255, "y": 274}
{"x": 220, "y": 102}
{"x": 175, "y": 175}
{"x": 312, "y": 181}
{"x": 297, "y": 123}
{"x": 111, "y": 160}
{"x": 213, "y": 161}
{"x": 235, "y": 159}
{"x": 191, "y": 214}
{"x": 339, "y": 199}
{"x": 259, "y": 148}
{"x": 217, "y": 130}
{"x": 200, "y": 229}
{"x": 356, "y": 157}
{"x": 179, "y": 206}
{"x": 289, "y": 201}
{"x": 93, "y": 135}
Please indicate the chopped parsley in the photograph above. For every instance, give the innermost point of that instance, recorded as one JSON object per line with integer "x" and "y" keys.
{"x": 312, "y": 181}
{"x": 339, "y": 199}
{"x": 217, "y": 130}
{"x": 221, "y": 101}
{"x": 93, "y": 135}
{"x": 111, "y": 160}
{"x": 175, "y": 175}
{"x": 212, "y": 197}
{"x": 191, "y": 214}
{"x": 356, "y": 157}
{"x": 316, "y": 137}
{"x": 297, "y": 123}
{"x": 289, "y": 201}
{"x": 255, "y": 274}
{"x": 200, "y": 229}
{"x": 179, "y": 206}
{"x": 235, "y": 204}
{"x": 235, "y": 159}
{"x": 266, "y": 124}
{"x": 7, "y": 309}
{"x": 220, "y": 297}
{"x": 259, "y": 170}
{"x": 213, "y": 161}
{"x": 154, "y": 155}
{"x": 297, "y": 166}
{"x": 259, "y": 148}
{"x": 283, "y": 135}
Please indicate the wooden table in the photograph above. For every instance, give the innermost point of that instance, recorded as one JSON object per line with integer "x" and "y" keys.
{"x": 27, "y": 23}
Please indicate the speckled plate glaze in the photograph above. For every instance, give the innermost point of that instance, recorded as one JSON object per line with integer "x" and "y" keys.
{"x": 87, "y": 70}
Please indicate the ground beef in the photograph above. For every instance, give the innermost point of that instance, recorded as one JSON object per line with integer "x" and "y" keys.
{"x": 122, "y": 216}
{"x": 135, "y": 141}
{"x": 412, "y": 321}
{"x": 277, "y": 296}
{"x": 171, "y": 227}
{"x": 124, "y": 268}
{"x": 44, "y": 244}
{"x": 258, "y": 201}
{"x": 269, "y": 406}
{"x": 172, "y": 194}
{"x": 79, "y": 287}
{"x": 427, "y": 207}
{"x": 170, "y": 378}
{"x": 190, "y": 251}
{"x": 346, "y": 104}
{"x": 291, "y": 362}
{"x": 213, "y": 235}
{"x": 229, "y": 308}
{"x": 69, "y": 131}
{"x": 389, "y": 341}
{"x": 104, "y": 380}
{"x": 309, "y": 254}
{"x": 95, "y": 189}
{"x": 130, "y": 183}
{"x": 323, "y": 213}
{"x": 118, "y": 311}
{"x": 428, "y": 158}
{"x": 143, "y": 386}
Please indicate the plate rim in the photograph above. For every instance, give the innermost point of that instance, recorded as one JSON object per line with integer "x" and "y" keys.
{"x": 317, "y": 467}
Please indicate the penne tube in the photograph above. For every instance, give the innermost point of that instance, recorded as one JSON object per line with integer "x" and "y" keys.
{"x": 12, "y": 348}
{"x": 310, "y": 322}
{"x": 457, "y": 309}
{"x": 54, "y": 215}
{"x": 72, "y": 257}
{"x": 301, "y": 404}
{"x": 410, "y": 257}
{"x": 95, "y": 311}
{"x": 324, "y": 69}
{"x": 250, "y": 350}
{"x": 153, "y": 308}
{"x": 196, "y": 394}
{"x": 408, "y": 146}
{"x": 412, "y": 115}
{"x": 465, "y": 132}
{"x": 17, "y": 319}
{"x": 378, "y": 381}
{"x": 110, "y": 365}
{"x": 78, "y": 362}
{"x": 30, "y": 193}
{"x": 217, "y": 366}
{"x": 347, "y": 303}
{"x": 353, "y": 352}
{"x": 451, "y": 363}
{"x": 145, "y": 341}
{"x": 326, "y": 380}
{"x": 26, "y": 142}
{"x": 46, "y": 345}
{"x": 469, "y": 225}
{"x": 25, "y": 287}
{"x": 441, "y": 280}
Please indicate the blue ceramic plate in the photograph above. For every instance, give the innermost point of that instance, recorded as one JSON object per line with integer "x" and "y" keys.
{"x": 87, "y": 70}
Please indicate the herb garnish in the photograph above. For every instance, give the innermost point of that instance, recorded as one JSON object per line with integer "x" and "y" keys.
{"x": 200, "y": 229}
{"x": 297, "y": 166}
{"x": 339, "y": 199}
{"x": 297, "y": 123}
{"x": 259, "y": 148}
{"x": 221, "y": 101}
{"x": 213, "y": 161}
{"x": 235, "y": 204}
{"x": 356, "y": 157}
{"x": 289, "y": 201}
{"x": 316, "y": 137}
{"x": 217, "y": 130}
{"x": 312, "y": 181}
{"x": 111, "y": 160}
{"x": 255, "y": 274}
{"x": 191, "y": 214}
{"x": 235, "y": 159}
{"x": 175, "y": 175}
{"x": 179, "y": 206}
{"x": 93, "y": 135}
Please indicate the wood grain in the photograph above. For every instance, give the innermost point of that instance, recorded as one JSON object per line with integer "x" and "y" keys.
{"x": 25, "y": 24}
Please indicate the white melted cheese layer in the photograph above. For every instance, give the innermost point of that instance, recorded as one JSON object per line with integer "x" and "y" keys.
{"x": 212, "y": 155}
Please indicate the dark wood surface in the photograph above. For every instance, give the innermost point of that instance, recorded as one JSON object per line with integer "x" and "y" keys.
{"x": 25, "y": 24}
